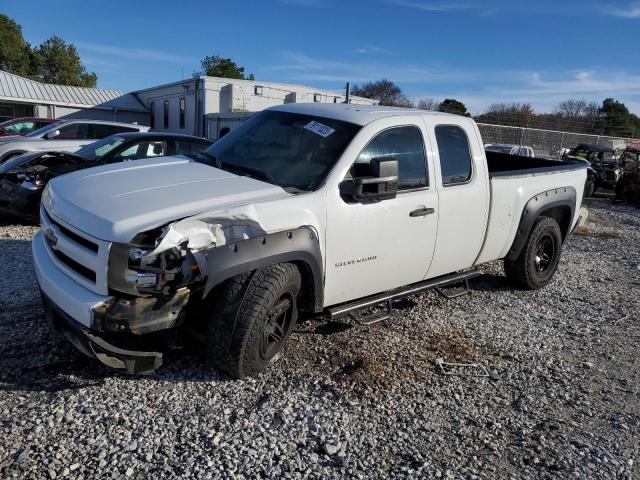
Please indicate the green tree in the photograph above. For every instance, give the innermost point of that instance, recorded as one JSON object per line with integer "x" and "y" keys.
{"x": 451, "y": 105}
{"x": 58, "y": 62}
{"x": 15, "y": 53}
{"x": 217, "y": 66}
{"x": 615, "y": 119}
{"x": 385, "y": 91}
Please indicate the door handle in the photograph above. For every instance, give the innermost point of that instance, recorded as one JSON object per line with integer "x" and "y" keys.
{"x": 422, "y": 211}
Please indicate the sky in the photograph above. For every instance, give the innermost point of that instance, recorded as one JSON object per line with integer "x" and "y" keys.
{"x": 480, "y": 52}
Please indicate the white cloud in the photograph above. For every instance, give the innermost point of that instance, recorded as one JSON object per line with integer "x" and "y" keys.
{"x": 444, "y": 6}
{"x": 133, "y": 53}
{"x": 476, "y": 88}
{"x": 630, "y": 11}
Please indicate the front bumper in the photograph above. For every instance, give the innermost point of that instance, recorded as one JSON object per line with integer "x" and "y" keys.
{"x": 18, "y": 201}
{"x": 131, "y": 361}
{"x": 87, "y": 318}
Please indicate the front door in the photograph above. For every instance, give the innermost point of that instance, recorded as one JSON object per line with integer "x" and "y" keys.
{"x": 374, "y": 247}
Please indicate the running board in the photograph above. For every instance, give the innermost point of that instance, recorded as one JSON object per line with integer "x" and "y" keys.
{"x": 389, "y": 297}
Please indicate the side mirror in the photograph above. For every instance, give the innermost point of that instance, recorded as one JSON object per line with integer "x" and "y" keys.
{"x": 382, "y": 184}
{"x": 52, "y": 134}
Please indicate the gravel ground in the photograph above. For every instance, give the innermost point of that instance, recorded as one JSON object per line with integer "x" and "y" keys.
{"x": 349, "y": 401}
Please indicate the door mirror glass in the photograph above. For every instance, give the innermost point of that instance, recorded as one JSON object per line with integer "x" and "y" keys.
{"x": 380, "y": 183}
{"x": 52, "y": 134}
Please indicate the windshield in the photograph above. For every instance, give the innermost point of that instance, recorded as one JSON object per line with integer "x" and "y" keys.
{"x": 43, "y": 130}
{"x": 286, "y": 149}
{"x": 97, "y": 150}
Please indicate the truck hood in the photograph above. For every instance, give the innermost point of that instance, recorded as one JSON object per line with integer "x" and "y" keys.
{"x": 116, "y": 202}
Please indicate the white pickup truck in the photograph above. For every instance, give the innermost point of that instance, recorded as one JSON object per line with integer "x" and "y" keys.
{"x": 303, "y": 208}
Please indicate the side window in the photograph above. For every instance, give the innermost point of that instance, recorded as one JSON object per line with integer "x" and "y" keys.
{"x": 21, "y": 128}
{"x": 455, "y": 154}
{"x": 104, "y": 131}
{"x": 144, "y": 150}
{"x": 75, "y": 131}
{"x": 403, "y": 144}
{"x": 190, "y": 149}
{"x": 165, "y": 121}
{"x": 182, "y": 112}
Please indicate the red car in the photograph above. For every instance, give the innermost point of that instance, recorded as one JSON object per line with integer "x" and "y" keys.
{"x": 23, "y": 125}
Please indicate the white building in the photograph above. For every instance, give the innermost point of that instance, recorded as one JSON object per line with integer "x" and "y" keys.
{"x": 205, "y": 105}
{"x": 21, "y": 97}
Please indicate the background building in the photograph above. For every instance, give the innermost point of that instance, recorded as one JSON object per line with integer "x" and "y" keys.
{"x": 204, "y": 106}
{"x": 21, "y": 97}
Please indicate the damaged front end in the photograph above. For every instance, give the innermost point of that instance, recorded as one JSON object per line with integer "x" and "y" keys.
{"x": 23, "y": 179}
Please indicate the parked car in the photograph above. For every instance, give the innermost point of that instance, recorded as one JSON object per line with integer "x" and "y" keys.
{"x": 64, "y": 136}
{"x": 510, "y": 149}
{"x": 302, "y": 208}
{"x": 23, "y": 178}
{"x": 628, "y": 186}
{"x": 23, "y": 126}
{"x": 607, "y": 168}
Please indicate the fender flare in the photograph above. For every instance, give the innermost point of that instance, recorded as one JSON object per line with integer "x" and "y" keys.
{"x": 300, "y": 245}
{"x": 535, "y": 207}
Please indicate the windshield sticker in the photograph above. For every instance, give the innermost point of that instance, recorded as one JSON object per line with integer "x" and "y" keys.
{"x": 319, "y": 129}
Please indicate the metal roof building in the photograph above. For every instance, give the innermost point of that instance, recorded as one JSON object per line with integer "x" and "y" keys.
{"x": 21, "y": 97}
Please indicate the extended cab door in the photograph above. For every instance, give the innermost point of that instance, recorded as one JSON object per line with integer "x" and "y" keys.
{"x": 375, "y": 246}
{"x": 462, "y": 182}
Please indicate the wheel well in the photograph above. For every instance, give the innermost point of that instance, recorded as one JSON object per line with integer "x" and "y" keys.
{"x": 562, "y": 215}
{"x": 307, "y": 290}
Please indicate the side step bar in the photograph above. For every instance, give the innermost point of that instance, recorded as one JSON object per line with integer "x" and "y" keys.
{"x": 389, "y": 297}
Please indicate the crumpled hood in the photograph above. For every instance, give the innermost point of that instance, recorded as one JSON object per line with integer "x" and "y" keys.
{"x": 116, "y": 202}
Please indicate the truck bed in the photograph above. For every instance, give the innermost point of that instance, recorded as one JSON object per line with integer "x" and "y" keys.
{"x": 505, "y": 165}
{"x": 513, "y": 181}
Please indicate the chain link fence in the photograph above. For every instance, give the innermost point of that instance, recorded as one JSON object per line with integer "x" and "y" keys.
{"x": 547, "y": 143}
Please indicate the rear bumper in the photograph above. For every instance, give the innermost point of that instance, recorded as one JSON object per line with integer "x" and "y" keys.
{"x": 131, "y": 361}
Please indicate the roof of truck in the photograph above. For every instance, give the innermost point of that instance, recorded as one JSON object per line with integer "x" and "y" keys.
{"x": 358, "y": 114}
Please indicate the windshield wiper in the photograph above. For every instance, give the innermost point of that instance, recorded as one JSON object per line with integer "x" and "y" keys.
{"x": 250, "y": 172}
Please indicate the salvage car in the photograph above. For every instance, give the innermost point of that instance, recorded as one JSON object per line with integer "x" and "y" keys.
{"x": 23, "y": 126}
{"x": 607, "y": 168}
{"x": 63, "y": 136}
{"x": 628, "y": 186}
{"x": 301, "y": 209}
{"x": 23, "y": 178}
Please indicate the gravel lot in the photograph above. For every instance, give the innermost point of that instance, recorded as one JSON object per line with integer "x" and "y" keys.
{"x": 349, "y": 401}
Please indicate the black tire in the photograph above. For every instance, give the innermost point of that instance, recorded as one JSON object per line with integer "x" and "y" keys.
{"x": 538, "y": 261}
{"x": 253, "y": 316}
{"x": 589, "y": 189}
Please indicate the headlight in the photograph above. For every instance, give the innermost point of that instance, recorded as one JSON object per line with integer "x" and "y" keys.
{"x": 134, "y": 271}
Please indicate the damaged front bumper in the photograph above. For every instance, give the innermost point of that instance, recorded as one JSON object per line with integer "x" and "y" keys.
{"x": 18, "y": 201}
{"x": 100, "y": 325}
{"x": 89, "y": 343}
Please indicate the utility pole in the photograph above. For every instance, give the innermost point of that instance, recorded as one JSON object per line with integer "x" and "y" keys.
{"x": 348, "y": 93}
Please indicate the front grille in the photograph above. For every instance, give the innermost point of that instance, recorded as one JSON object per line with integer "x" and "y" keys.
{"x": 79, "y": 255}
{"x": 73, "y": 236}
{"x": 73, "y": 265}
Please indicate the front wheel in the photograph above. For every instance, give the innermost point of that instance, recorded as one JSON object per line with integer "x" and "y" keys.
{"x": 538, "y": 261}
{"x": 253, "y": 317}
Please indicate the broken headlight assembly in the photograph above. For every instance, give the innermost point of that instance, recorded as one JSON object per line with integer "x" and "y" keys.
{"x": 135, "y": 270}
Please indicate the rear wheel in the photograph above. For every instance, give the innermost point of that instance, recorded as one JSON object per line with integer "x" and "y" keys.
{"x": 253, "y": 316}
{"x": 538, "y": 261}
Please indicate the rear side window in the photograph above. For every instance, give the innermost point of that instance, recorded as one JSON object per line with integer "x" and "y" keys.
{"x": 104, "y": 131}
{"x": 190, "y": 148}
{"x": 403, "y": 144}
{"x": 455, "y": 154}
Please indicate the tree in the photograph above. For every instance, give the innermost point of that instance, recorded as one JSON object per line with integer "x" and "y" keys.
{"x": 615, "y": 119}
{"x": 514, "y": 114}
{"x": 15, "y": 53}
{"x": 572, "y": 108}
{"x": 217, "y": 66}
{"x": 58, "y": 62}
{"x": 451, "y": 105}
{"x": 428, "y": 104}
{"x": 385, "y": 91}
